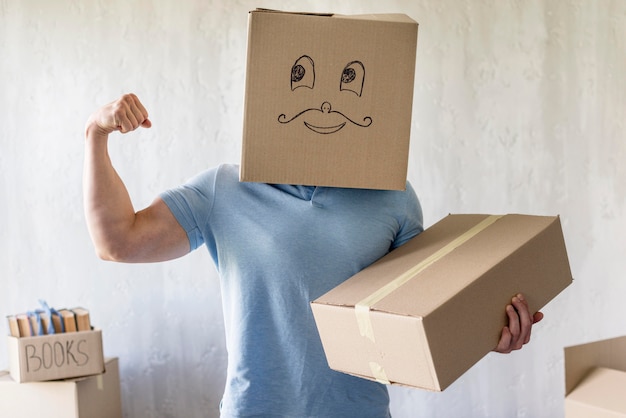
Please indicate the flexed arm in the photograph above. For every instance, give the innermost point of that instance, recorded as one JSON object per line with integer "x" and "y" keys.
{"x": 117, "y": 231}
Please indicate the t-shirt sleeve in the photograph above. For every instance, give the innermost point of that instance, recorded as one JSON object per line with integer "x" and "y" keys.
{"x": 191, "y": 205}
{"x": 413, "y": 222}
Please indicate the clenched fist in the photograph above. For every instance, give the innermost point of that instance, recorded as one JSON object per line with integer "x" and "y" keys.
{"x": 124, "y": 114}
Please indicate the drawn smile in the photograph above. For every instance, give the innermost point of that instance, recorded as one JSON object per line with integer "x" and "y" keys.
{"x": 324, "y": 129}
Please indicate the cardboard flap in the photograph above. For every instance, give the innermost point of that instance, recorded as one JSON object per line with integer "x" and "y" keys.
{"x": 382, "y": 17}
{"x": 262, "y": 10}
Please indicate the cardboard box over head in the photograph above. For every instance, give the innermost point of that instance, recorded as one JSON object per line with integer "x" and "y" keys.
{"x": 595, "y": 379}
{"x": 95, "y": 396}
{"x": 56, "y": 356}
{"x": 328, "y": 99}
{"x": 428, "y": 311}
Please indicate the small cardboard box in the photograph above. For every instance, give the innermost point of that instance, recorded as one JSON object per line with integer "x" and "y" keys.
{"x": 56, "y": 356}
{"x": 599, "y": 395}
{"x": 86, "y": 397}
{"x": 428, "y": 311}
{"x": 328, "y": 99}
{"x": 595, "y": 379}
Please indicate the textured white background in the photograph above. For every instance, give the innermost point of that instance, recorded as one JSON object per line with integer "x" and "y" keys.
{"x": 519, "y": 107}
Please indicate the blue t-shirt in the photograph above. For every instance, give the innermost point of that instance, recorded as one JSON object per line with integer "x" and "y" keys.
{"x": 277, "y": 248}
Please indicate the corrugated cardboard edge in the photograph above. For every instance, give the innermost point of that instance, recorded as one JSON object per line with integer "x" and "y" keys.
{"x": 395, "y": 17}
{"x": 13, "y": 352}
{"x": 581, "y": 359}
{"x": 262, "y": 10}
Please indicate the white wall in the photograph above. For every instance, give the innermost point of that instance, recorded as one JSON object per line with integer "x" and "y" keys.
{"x": 519, "y": 107}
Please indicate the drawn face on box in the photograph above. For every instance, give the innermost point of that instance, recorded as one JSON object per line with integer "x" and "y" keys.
{"x": 328, "y": 99}
{"x": 323, "y": 118}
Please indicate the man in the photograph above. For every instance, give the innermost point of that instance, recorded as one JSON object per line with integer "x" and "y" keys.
{"x": 277, "y": 247}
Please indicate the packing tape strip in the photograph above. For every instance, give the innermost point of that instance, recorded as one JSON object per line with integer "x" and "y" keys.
{"x": 362, "y": 308}
{"x": 379, "y": 373}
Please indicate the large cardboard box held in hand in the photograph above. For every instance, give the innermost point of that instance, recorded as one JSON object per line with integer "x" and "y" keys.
{"x": 595, "y": 379}
{"x": 428, "y": 311}
{"x": 328, "y": 99}
{"x": 56, "y": 356}
{"x": 86, "y": 397}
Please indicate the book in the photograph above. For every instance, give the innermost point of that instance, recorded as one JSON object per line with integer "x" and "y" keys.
{"x": 35, "y": 324}
{"x": 14, "y": 328}
{"x": 83, "y": 323}
{"x": 24, "y": 326}
{"x": 57, "y": 322}
{"x": 45, "y": 322}
{"x": 69, "y": 320}
{"x": 49, "y": 321}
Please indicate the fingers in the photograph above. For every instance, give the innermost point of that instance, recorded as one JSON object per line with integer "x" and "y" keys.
{"x": 518, "y": 331}
{"x": 514, "y": 328}
{"x": 504, "y": 345}
{"x": 525, "y": 320}
{"x": 129, "y": 114}
{"x": 125, "y": 114}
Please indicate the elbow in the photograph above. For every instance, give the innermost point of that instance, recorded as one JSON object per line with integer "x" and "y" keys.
{"x": 110, "y": 245}
{"x": 113, "y": 252}
{"x": 106, "y": 255}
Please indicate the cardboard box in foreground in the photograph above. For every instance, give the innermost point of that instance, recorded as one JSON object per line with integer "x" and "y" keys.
{"x": 86, "y": 397}
{"x": 328, "y": 99}
{"x": 56, "y": 356}
{"x": 595, "y": 379}
{"x": 428, "y": 311}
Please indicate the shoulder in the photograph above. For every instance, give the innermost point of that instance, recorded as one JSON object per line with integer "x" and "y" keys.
{"x": 211, "y": 178}
{"x": 228, "y": 172}
{"x": 222, "y": 173}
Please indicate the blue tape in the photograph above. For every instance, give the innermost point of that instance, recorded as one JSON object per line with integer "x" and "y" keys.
{"x": 51, "y": 313}
{"x": 39, "y": 330}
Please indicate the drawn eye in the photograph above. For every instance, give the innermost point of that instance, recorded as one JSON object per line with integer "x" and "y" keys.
{"x": 303, "y": 73}
{"x": 353, "y": 77}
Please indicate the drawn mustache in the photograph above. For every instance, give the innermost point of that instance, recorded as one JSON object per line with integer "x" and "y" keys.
{"x": 325, "y": 108}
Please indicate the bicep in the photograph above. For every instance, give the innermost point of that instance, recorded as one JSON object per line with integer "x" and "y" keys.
{"x": 156, "y": 235}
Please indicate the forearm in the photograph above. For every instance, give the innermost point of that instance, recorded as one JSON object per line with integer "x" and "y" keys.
{"x": 108, "y": 208}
